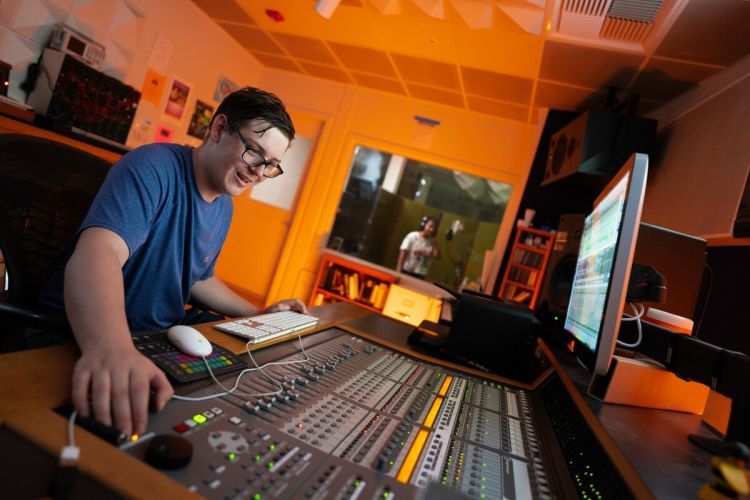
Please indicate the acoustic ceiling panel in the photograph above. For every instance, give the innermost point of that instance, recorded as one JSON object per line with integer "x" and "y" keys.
{"x": 435, "y": 95}
{"x": 588, "y": 67}
{"x": 710, "y": 32}
{"x": 277, "y": 62}
{"x": 498, "y": 108}
{"x": 496, "y": 85}
{"x": 663, "y": 79}
{"x": 436, "y": 74}
{"x": 252, "y": 39}
{"x": 226, "y": 10}
{"x": 327, "y": 72}
{"x": 306, "y": 48}
{"x": 376, "y": 82}
{"x": 363, "y": 59}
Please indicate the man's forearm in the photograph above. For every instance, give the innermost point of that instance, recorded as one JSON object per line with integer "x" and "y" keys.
{"x": 217, "y": 296}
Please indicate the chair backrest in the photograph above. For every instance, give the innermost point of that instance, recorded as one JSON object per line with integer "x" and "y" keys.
{"x": 46, "y": 188}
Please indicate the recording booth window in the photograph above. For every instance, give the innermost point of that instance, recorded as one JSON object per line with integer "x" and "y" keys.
{"x": 386, "y": 196}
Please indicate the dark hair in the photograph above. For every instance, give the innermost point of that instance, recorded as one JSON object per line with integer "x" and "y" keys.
{"x": 249, "y": 103}
{"x": 427, "y": 218}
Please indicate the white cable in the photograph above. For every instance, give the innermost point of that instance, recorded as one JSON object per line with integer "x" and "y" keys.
{"x": 234, "y": 390}
{"x": 70, "y": 454}
{"x": 71, "y": 426}
{"x": 637, "y": 318}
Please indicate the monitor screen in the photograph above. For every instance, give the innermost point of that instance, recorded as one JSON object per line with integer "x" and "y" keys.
{"x": 603, "y": 266}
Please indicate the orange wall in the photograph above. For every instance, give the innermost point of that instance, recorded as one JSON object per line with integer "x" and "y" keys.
{"x": 480, "y": 144}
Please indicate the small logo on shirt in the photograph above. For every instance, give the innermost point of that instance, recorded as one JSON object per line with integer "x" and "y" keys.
{"x": 206, "y": 259}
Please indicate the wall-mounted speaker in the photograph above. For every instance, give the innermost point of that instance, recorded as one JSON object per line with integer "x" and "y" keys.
{"x": 594, "y": 146}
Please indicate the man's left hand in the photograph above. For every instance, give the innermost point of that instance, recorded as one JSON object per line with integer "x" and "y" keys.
{"x": 288, "y": 305}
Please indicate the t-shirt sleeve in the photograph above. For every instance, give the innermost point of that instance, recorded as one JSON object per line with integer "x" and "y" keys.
{"x": 131, "y": 195}
{"x": 407, "y": 242}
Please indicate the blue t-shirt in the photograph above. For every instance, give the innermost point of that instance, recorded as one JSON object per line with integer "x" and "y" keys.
{"x": 150, "y": 198}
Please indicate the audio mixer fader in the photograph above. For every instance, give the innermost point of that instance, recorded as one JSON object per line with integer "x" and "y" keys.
{"x": 358, "y": 420}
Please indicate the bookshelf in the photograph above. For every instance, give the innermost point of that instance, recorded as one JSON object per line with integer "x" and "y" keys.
{"x": 340, "y": 279}
{"x": 525, "y": 270}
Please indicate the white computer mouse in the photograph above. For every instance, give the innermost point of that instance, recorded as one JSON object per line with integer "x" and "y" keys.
{"x": 189, "y": 340}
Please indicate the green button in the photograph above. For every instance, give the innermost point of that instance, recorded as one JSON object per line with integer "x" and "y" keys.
{"x": 199, "y": 419}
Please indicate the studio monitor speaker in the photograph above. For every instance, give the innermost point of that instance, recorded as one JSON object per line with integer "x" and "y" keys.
{"x": 558, "y": 280}
{"x": 591, "y": 148}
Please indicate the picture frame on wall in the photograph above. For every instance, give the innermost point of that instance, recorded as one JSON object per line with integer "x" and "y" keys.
{"x": 224, "y": 87}
{"x": 177, "y": 98}
{"x": 200, "y": 120}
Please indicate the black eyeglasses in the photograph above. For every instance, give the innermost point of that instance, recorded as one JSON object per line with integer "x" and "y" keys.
{"x": 253, "y": 158}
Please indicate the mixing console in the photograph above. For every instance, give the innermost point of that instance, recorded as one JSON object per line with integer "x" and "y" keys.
{"x": 357, "y": 420}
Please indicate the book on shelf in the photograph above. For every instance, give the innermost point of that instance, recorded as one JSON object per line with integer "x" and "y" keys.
{"x": 522, "y": 296}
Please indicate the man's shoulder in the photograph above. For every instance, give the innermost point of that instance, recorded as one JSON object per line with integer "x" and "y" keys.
{"x": 158, "y": 152}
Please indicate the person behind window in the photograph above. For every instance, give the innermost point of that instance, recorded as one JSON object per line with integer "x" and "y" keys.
{"x": 418, "y": 249}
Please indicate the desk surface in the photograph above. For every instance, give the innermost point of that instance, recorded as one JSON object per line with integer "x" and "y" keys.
{"x": 653, "y": 442}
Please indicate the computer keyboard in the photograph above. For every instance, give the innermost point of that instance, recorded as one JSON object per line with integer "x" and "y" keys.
{"x": 268, "y": 326}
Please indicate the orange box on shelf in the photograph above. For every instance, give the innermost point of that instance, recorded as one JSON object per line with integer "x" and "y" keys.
{"x": 411, "y": 307}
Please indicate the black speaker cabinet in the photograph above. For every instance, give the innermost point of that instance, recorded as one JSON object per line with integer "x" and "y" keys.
{"x": 558, "y": 280}
{"x": 594, "y": 146}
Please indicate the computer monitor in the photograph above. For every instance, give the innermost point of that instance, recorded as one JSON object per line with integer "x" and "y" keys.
{"x": 605, "y": 257}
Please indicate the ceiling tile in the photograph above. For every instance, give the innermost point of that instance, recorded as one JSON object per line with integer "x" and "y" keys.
{"x": 302, "y": 47}
{"x": 327, "y": 72}
{"x": 417, "y": 36}
{"x": 498, "y": 51}
{"x": 663, "y": 79}
{"x": 252, "y": 39}
{"x": 376, "y": 82}
{"x": 588, "y": 67}
{"x": 227, "y": 10}
{"x": 362, "y": 59}
{"x": 710, "y": 31}
{"x": 504, "y": 109}
{"x": 555, "y": 96}
{"x": 496, "y": 85}
{"x": 435, "y": 95}
{"x": 432, "y": 73}
{"x": 277, "y": 62}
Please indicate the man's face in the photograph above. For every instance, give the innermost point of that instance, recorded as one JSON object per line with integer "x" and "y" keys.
{"x": 231, "y": 174}
{"x": 429, "y": 228}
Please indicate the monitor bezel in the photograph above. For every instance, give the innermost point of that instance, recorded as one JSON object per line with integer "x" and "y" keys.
{"x": 599, "y": 359}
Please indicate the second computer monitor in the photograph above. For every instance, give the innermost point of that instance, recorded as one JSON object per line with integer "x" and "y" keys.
{"x": 603, "y": 268}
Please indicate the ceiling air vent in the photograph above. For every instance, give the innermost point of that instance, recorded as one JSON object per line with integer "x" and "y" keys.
{"x": 630, "y": 20}
{"x": 618, "y": 20}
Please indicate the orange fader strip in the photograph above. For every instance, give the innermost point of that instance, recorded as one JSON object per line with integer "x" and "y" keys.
{"x": 411, "y": 459}
{"x": 432, "y": 414}
{"x": 446, "y": 384}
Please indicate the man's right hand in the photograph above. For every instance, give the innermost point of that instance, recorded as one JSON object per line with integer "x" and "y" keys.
{"x": 119, "y": 381}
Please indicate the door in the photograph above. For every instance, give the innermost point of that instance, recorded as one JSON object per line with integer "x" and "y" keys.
{"x": 261, "y": 220}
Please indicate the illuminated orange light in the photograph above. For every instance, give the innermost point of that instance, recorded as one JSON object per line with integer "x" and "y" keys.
{"x": 444, "y": 387}
{"x": 411, "y": 459}
{"x": 432, "y": 414}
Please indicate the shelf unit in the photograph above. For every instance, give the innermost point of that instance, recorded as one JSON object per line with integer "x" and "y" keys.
{"x": 339, "y": 279}
{"x": 528, "y": 262}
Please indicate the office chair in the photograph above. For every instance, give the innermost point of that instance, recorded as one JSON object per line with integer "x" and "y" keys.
{"x": 46, "y": 188}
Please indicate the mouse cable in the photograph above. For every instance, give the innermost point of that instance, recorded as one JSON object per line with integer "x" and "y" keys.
{"x": 639, "y": 311}
{"x": 67, "y": 463}
{"x": 233, "y": 390}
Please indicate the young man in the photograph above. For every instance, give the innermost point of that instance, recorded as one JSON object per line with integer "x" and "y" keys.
{"x": 149, "y": 244}
{"x": 418, "y": 248}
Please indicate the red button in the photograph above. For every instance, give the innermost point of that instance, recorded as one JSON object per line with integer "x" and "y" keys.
{"x": 180, "y": 428}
